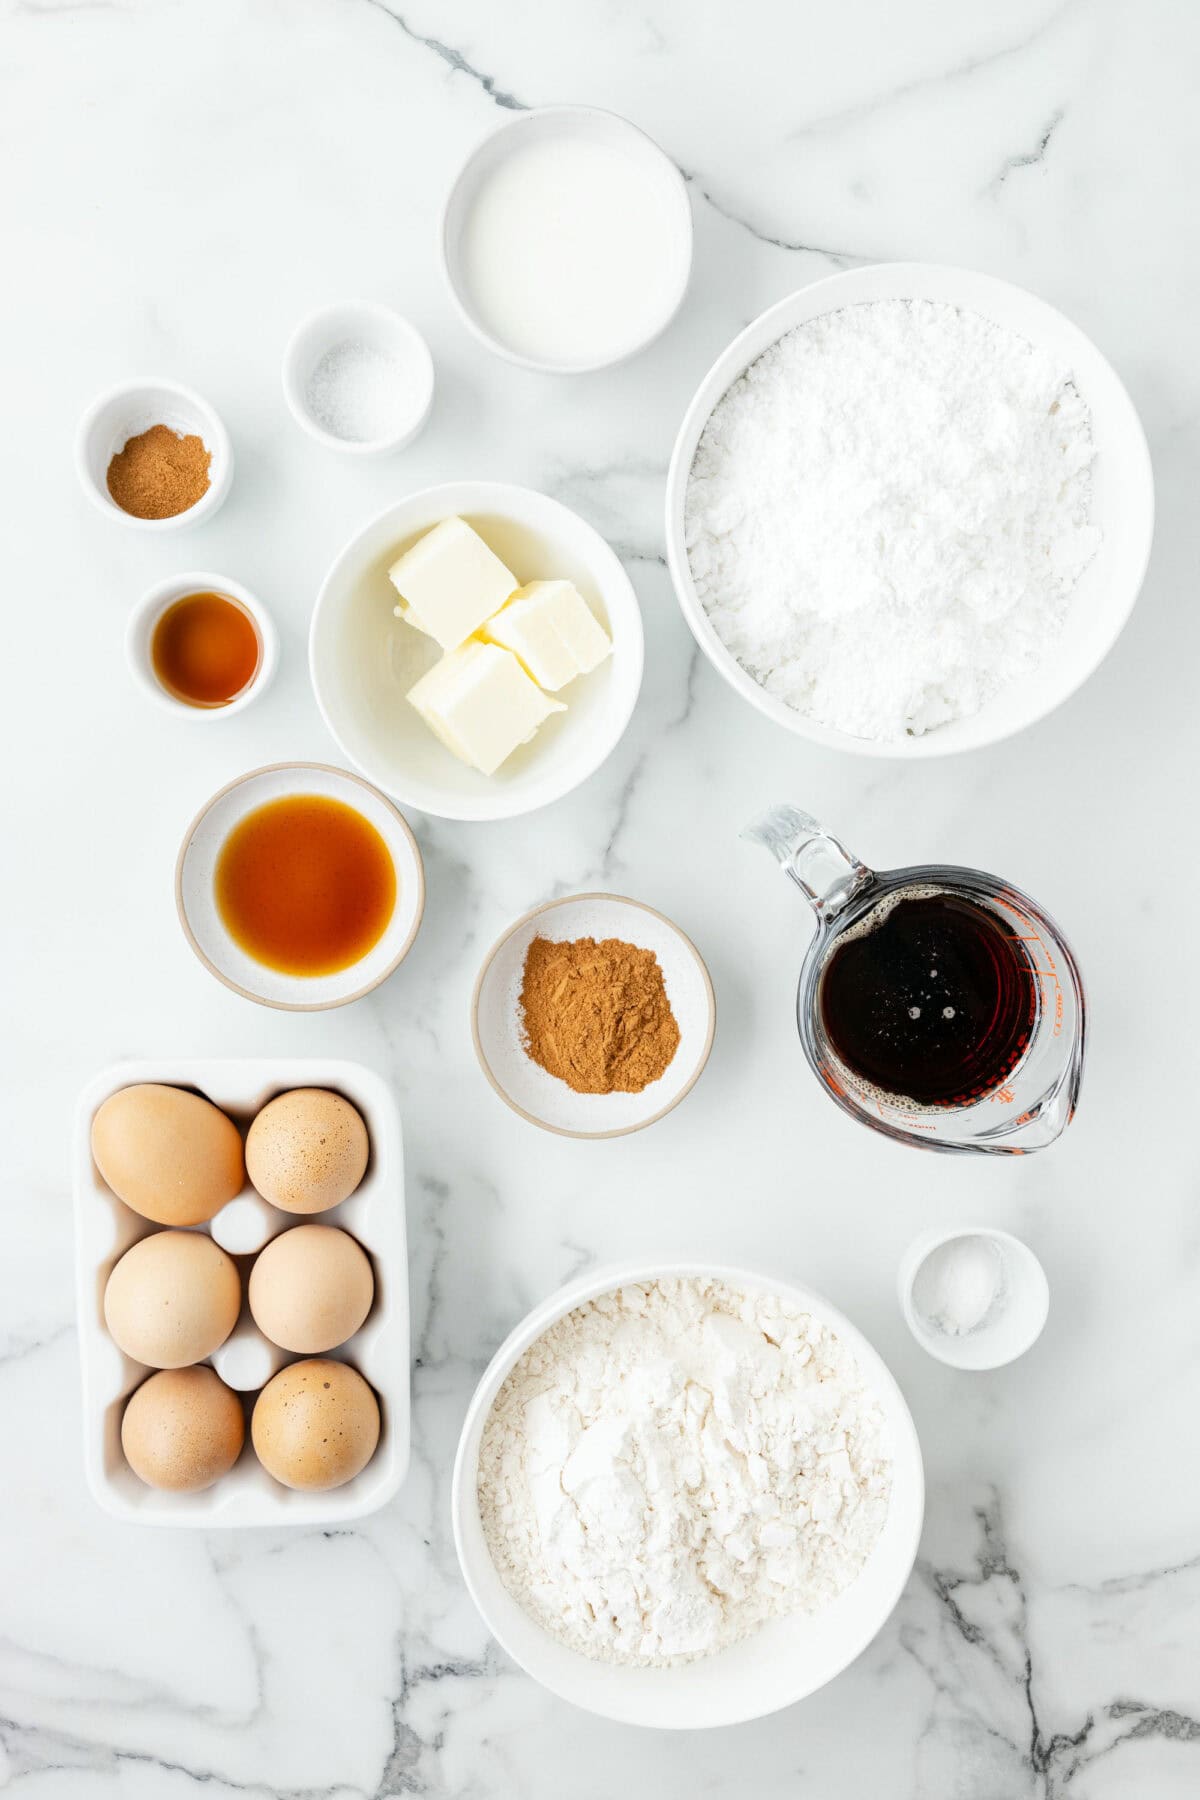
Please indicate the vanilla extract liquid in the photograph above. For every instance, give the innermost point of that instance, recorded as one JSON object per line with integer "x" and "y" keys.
{"x": 929, "y": 998}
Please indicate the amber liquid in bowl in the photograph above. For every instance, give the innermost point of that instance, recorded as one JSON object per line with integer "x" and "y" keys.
{"x": 305, "y": 885}
{"x": 205, "y": 650}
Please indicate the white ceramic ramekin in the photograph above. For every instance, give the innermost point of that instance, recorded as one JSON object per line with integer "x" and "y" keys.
{"x": 558, "y": 122}
{"x": 379, "y": 328}
{"x": 1020, "y": 1314}
{"x": 139, "y": 635}
{"x": 131, "y": 408}
{"x": 788, "y": 1658}
{"x": 210, "y": 938}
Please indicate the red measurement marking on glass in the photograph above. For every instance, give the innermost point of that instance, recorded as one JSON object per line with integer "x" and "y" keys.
{"x": 1050, "y": 974}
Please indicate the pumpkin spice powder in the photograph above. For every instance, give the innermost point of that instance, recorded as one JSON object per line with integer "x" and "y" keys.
{"x": 596, "y": 1014}
{"x": 159, "y": 473}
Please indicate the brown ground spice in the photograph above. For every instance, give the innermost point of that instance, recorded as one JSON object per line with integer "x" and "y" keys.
{"x": 596, "y": 1014}
{"x": 159, "y": 473}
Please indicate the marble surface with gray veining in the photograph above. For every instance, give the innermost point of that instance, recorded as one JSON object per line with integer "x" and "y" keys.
{"x": 183, "y": 182}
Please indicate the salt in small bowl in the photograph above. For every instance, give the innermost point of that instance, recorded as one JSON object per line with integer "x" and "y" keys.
{"x": 1011, "y": 1325}
{"x": 366, "y": 337}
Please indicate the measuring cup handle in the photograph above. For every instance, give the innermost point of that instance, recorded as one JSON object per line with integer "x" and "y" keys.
{"x": 822, "y": 868}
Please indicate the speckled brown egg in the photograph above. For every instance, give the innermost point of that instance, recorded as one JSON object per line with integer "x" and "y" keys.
{"x": 311, "y": 1288}
{"x": 307, "y": 1150}
{"x": 182, "y": 1430}
{"x": 170, "y": 1155}
{"x": 172, "y": 1299}
{"x": 315, "y": 1425}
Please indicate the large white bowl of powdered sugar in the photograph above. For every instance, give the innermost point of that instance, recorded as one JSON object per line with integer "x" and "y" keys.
{"x": 909, "y": 510}
{"x": 686, "y": 1495}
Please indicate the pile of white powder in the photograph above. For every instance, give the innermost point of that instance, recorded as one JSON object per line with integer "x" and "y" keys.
{"x": 673, "y": 1464}
{"x": 887, "y": 513}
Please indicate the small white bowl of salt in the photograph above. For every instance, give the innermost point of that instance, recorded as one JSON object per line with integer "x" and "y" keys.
{"x": 358, "y": 378}
{"x": 975, "y": 1299}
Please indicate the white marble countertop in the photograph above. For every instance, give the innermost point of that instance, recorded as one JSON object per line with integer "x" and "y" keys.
{"x": 185, "y": 182}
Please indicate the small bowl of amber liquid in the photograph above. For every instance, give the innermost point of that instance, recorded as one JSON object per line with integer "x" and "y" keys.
{"x": 202, "y": 646}
{"x": 300, "y": 886}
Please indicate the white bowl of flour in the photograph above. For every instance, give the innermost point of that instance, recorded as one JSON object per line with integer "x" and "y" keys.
{"x": 909, "y": 511}
{"x": 687, "y": 1495}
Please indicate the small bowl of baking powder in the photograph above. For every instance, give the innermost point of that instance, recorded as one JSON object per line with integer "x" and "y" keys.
{"x": 358, "y": 378}
{"x": 974, "y": 1298}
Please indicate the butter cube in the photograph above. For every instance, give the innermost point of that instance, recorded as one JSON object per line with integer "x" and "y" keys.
{"x": 480, "y": 702}
{"x": 550, "y": 626}
{"x": 450, "y": 582}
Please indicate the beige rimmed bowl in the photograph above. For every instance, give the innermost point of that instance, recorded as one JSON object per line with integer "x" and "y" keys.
{"x": 542, "y": 1098}
{"x": 195, "y": 896}
{"x": 364, "y": 661}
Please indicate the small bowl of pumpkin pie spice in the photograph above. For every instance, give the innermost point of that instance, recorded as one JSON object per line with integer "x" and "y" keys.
{"x": 593, "y": 1015}
{"x": 154, "y": 455}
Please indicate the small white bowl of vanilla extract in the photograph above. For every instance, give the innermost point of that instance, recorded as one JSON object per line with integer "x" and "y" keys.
{"x": 202, "y": 646}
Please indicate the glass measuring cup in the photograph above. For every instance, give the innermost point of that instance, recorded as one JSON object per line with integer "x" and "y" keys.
{"x": 1036, "y": 1099}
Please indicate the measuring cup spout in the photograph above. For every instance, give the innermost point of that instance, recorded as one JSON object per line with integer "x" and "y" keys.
{"x": 822, "y": 868}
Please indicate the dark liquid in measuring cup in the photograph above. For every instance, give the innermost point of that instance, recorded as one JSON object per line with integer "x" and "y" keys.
{"x": 931, "y": 998}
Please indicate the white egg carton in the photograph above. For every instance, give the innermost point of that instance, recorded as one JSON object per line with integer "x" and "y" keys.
{"x": 374, "y": 1214}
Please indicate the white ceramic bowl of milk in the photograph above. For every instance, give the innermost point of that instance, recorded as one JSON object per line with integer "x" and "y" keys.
{"x": 567, "y": 240}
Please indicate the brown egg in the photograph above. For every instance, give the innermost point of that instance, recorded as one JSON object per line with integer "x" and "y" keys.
{"x": 311, "y": 1288}
{"x": 307, "y": 1150}
{"x": 168, "y": 1154}
{"x": 182, "y": 1430}
{"x": 315, "y": 1425}
{"x": 172, "y": 1299}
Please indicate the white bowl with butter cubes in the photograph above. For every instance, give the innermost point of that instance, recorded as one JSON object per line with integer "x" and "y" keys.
{"x": 476, "y": 650}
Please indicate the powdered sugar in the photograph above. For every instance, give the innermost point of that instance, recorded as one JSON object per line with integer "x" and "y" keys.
{"x": 672, "y": 1464}
{"x": 887, "y": 513}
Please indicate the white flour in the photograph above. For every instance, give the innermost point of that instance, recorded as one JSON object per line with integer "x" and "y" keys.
{"x": 673, "y": 1464}
{"x": 888, "y": 511}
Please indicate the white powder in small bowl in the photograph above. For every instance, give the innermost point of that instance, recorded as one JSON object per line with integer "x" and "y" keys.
{"x": 361, "y": 393}
{"x": 888, "y": 511}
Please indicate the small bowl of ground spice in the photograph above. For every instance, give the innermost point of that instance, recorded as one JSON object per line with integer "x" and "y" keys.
{"x": 154, "y": 455}
{"x": 593, "y": 1016}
